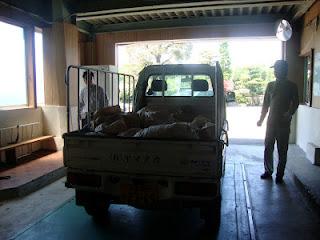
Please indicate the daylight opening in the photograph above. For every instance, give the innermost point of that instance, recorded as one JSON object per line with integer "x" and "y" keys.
{"x": 245, "y": 63}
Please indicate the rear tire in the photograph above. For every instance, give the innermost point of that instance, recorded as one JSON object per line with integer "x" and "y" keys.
{"x": 212, "y": 215}
{"x": 95, "y": 204}
{"x": 98, "y": 209}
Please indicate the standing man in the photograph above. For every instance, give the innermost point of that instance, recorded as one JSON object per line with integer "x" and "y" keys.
{"x": 94, "y": 105}
{"x": 281, "y": 97}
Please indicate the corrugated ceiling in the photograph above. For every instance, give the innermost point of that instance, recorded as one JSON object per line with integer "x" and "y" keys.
{"x": 193, "y": 11}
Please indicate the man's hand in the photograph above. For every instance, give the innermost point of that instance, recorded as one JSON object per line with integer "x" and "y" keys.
{"x": 259, "y": 123}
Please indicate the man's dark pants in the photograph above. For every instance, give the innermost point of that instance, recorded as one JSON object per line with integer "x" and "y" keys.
{"x": 281, "y": 135}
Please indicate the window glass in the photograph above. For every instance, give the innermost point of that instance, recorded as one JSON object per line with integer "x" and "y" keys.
{"x": 39, "y": 67}
{"x": 13, "y": 90}
{"x": 204, "y": 88}
{"x": 179, "y": 85}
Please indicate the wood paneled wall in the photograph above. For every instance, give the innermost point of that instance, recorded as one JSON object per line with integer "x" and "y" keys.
{"x": 86, "y": 50}
{"x": 30, "y": 65}
{"x": 311, "y": 38}
{"x": 295, "y": 61}
{"x": 60, "y": 49}
{"x": 105, "y": 42}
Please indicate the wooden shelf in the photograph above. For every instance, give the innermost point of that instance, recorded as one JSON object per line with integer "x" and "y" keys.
{"x": 34, "y": 140}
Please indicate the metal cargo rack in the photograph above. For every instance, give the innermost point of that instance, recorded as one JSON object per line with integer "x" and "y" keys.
{"x": 109, "y": 80}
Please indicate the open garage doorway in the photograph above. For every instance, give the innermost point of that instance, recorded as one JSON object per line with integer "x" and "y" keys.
{"x": 245, "y": 62}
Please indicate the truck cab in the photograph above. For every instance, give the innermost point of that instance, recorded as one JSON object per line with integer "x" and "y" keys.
{"x": 199, "y": 86}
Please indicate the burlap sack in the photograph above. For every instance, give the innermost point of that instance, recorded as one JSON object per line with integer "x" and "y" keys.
{"x": 168, "y": 131}
{"x": 107, "y": 119}
{"x": 112, "y": 129}
{"x": 199, "y": 122}
{"x": 132, "y": 120}
{"x": 107, "y": 111}
{"x": 153, "y": 115}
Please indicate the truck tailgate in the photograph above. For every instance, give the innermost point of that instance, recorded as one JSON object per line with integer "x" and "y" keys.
{"x": 144, "y": 156}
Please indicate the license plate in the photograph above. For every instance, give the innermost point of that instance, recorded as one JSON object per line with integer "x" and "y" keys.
{"x": 139, "y": 194}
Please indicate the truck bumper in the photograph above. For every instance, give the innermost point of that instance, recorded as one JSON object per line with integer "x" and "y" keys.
{"x": 143, "y": 191}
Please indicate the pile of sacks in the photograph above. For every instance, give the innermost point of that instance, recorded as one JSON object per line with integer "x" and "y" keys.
{"x": 153, "y": 122}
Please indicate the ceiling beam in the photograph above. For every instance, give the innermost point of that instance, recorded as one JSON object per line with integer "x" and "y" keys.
{"x": 302, "y": 9}
{"x": 188, "y": 5}
{"x": 21, "y": 17}
{"x": 84, "y": 27}
{"x": 186, "y": 22}
{"x": 185, "y": 7}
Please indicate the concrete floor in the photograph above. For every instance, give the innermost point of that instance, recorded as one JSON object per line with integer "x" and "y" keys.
{"x": 34, "y": 172}
{"x": 277, "y": 211}
{"x": 20, "y": 213}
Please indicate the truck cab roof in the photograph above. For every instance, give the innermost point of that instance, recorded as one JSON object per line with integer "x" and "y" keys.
{"x": 178, "y": 68}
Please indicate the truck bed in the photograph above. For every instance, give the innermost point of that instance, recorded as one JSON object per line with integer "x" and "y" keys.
{"x": 160, "y": 157}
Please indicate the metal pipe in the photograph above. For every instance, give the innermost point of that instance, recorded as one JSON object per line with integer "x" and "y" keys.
{"x": 129, "y": 94}
{"x": 163, "y": 84}
{"x": 216, "y": 100}
{"x": 191, "y": 85}
{"x": 124, "y": 93}
{"x": 133, "y": 92}
{"x": 118, "y": 89}
{"x": 68, "y": 100}
{"x": 88, "y": 86}
{"x": 88, "y": 70}
{"x": 111, "y": 89}
{"x": 105, "y": 89}
{"x": 97, "y": 87}
{"x": 92, "y": 69}
{"x": 78, "y": 92}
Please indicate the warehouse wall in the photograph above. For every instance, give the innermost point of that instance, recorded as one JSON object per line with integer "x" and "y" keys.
{"x": 86, "y": 50}
{"x": 10, "y": 118}
{"x": 296, "y": 70}
{"x": 105, "y": 42}
{"x": 308, "y": 130}
{"x": 27, "y": 115}
{"x": 61, "y": 49}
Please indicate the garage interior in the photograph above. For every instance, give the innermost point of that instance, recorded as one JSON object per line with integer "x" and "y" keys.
{"x": 34, "y": 202}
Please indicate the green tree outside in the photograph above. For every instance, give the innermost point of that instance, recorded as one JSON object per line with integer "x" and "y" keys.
{"x": 225, "y": 60}
{"x": 144, "y": 54}
{"x": 250, "y": 83}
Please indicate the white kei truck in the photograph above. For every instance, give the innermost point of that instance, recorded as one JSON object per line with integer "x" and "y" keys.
{"x": 153, "y": 173}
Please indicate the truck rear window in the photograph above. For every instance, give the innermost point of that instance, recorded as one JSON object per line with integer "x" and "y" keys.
{"x": 179, "y": 86}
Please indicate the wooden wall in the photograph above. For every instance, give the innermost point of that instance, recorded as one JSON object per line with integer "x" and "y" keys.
{"x": 60, "y": 49}
{"x": 86, "y": 49}
{"x": 311, "y": 38}
{"x": 105, "y": 42}
{"x": 30, "y": 65}
{"x": 295, "y": 61}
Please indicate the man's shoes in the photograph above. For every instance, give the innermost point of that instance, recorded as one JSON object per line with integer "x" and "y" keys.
{"x": 266, "y": 176}
{"x": 279, "y": 180}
